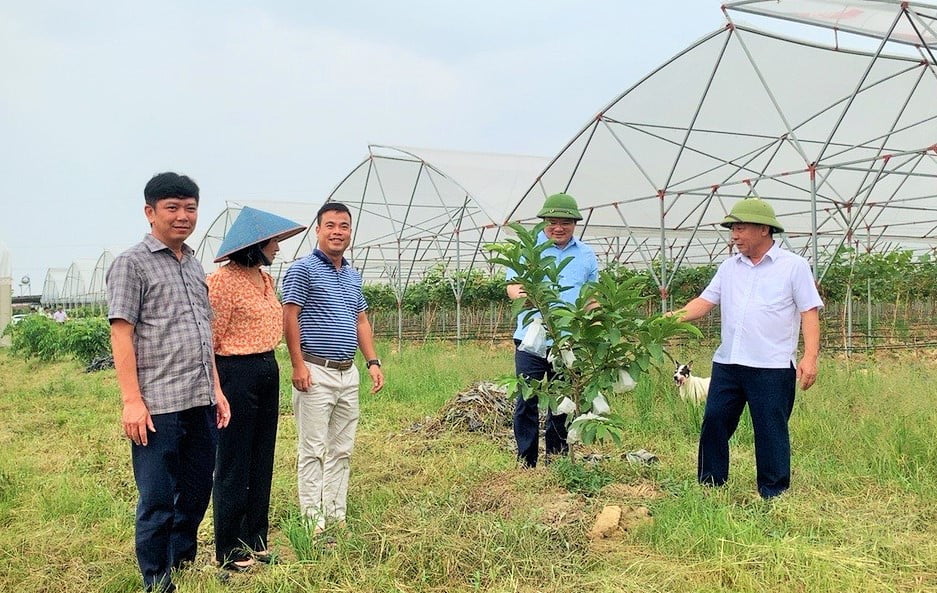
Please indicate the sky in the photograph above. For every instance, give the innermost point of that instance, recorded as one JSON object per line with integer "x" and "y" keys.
{"x": 279, "y": 99}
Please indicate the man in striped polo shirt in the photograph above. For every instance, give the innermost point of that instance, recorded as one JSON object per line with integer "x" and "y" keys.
{"x": 325, "y": 322}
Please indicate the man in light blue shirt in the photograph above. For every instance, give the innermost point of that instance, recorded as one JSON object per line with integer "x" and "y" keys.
{"x": 767, "y": 296}
{"x": 561, "y": 213}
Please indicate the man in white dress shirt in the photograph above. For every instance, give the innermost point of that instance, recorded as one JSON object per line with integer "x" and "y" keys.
{"x": 767, "y": 296}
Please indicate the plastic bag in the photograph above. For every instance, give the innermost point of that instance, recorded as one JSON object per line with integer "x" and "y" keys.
{"x": 566, "y": 406}
{"x": 568, "y": 357}
{"x": 573, "y": 435}
{"x": 624, "y": 383}
{"x": 535, "y": 339}
{"x": 600, "y": 405}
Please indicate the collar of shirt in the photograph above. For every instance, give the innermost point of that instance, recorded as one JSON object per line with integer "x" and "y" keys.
{"x": 155, "y": 245}
{"x": 771, "y": 254}
{"x": 323, "y": 257}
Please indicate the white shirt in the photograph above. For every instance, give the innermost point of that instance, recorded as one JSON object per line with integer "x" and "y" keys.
{"x": 761, "y": 307}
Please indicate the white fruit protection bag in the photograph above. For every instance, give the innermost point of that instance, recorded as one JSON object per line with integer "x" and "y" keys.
{"x": 535, "y": 339}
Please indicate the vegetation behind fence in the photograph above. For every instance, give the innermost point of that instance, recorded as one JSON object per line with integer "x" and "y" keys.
{"x": 906, "y": 325}
{"x": 893, "y": 300}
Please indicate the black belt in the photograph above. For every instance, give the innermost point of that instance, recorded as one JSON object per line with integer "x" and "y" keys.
{"x": 342, "y": 365}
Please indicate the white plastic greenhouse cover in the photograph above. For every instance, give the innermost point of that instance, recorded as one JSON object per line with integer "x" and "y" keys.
{"x": 77, "y": 284}
{"x": 412, "y": 209}
{"x": 53, "y": 287}
{"x": 841, "y": 142}
{"x": 875, "y": 18}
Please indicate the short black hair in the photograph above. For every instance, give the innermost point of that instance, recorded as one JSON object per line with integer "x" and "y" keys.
{"x": 332, "y": 207}
{"x": 251, "y": 255}
{"x": 169, "y": 185}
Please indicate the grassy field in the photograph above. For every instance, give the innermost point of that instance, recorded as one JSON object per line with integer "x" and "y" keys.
{"x": 450, "y": 511}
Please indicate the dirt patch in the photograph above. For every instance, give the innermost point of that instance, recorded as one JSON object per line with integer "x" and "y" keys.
{"x": 619, "y": 493}
{"x": 526, "y": 493}
{"x": 563, "y": 509}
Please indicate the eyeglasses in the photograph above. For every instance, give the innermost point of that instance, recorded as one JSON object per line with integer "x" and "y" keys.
{"x": 561, "y": 222}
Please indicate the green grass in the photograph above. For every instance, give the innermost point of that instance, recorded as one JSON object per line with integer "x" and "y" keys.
{"x": 451, "y": 511}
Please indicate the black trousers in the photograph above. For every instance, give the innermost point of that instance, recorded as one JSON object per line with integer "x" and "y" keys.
{"x": 173, "y": 473}
{"x": 769, "y": 394}
{"x": 244, "y": 466}
{"x": 527, "y": 413}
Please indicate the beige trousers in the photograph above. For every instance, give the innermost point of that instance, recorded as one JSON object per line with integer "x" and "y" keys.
{"x": 326, "y": 420}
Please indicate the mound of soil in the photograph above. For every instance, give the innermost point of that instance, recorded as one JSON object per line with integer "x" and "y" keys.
{"x": 483, "y": 408}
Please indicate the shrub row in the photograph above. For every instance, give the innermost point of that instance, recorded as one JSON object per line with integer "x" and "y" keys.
{"x": 38, "y": 336}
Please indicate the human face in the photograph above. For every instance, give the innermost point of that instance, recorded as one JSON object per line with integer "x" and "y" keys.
{"x": 751, "y": 240}
{"x": 560, "y": 230}
{"x": 334, "y": 233}
{"x": 172, "y": 220}
{"x": 271, "y": 249}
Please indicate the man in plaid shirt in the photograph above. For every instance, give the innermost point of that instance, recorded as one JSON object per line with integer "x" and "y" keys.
{"x": 172, "y": 401}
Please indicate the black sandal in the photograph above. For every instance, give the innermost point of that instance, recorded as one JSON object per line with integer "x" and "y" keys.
{"x": 233, "y": 565}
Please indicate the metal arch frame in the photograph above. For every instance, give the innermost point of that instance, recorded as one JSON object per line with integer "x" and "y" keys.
{"x": 874, "y": 168}
{"x": 437, "y": 239}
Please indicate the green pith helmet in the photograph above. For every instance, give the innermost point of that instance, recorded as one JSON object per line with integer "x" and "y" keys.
{"x": 755, "y": 211}
{"x": 560, "y": 206}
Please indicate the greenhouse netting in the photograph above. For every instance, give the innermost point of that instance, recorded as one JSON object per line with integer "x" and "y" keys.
{"x": 838, "y": 136}
{"x": 414, "y": 210}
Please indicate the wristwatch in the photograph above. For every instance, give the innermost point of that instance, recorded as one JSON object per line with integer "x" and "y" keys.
{"x": 374, "y": 361}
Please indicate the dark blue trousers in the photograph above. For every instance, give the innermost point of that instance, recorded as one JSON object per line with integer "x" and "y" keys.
{"x": 173, "y": 473}
{"x": 527, "y": 413}
{"x": 245, "y": 454}
{"x": 769, "y": 394}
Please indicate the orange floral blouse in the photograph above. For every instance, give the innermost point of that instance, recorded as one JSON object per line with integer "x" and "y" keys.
{"x": 248, "y": 319}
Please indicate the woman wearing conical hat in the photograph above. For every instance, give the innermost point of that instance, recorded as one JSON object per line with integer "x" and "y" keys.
{"x": 247, "y": 326}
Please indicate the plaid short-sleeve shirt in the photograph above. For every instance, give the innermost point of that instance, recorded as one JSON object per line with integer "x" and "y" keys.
{"x": 166, "y": 301}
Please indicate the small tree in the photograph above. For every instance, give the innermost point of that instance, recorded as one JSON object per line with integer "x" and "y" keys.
{"x": 603, "y": 334}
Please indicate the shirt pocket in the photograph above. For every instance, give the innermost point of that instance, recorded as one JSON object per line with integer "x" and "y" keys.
{"x": 772, "y": 292}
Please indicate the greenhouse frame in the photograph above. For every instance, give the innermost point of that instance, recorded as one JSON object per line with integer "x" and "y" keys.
{"x": 825, "y": 108}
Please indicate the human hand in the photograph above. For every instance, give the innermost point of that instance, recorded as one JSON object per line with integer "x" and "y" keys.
{"x": 222, "y": 410}
{"x": 807, "y": 372}
{"x": 377, "y": 378}
{"x": 136, "y": 421}
{"x": 302, "y": 379}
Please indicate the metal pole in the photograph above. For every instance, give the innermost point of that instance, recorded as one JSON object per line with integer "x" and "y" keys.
{"x": 868, "y": 293}
{"x": 399, "y": 301}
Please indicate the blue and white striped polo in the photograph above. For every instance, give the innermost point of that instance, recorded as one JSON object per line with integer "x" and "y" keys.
{"x": 330, "y": 301}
